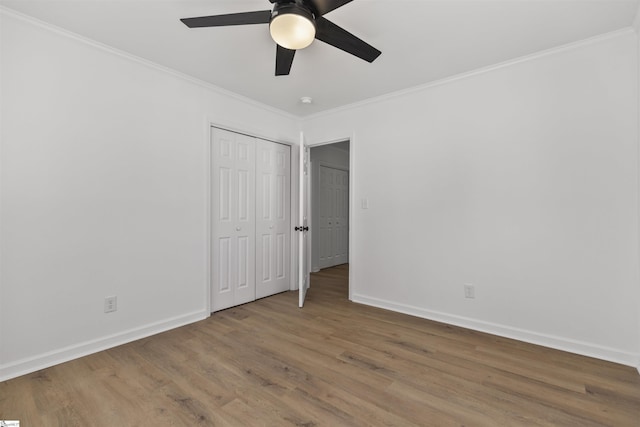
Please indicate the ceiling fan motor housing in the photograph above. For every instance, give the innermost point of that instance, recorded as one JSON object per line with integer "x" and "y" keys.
{"x": 297, "y": 8}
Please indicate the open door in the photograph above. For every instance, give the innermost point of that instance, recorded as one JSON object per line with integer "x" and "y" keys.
{"x": 303, "y": 226}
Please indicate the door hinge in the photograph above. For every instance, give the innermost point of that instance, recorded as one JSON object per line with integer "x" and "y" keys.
{"x": 302, "y": 229}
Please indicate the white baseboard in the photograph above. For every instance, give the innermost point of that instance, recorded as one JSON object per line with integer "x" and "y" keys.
{"x": 66, "y": 354}
{"x": 558, "y": 343}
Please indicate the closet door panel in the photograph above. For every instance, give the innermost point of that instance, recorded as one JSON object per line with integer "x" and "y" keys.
{"x": 333, "y": 217}
{"x": 273, "y": 223}
{"x": 233, "y": 228}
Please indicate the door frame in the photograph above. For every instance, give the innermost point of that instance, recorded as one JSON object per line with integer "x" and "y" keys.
{"x": 352, "y": 258}
{"x": 208, "y": 153}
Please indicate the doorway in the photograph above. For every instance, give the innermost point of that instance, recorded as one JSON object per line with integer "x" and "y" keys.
{"x": 330, "y": 166}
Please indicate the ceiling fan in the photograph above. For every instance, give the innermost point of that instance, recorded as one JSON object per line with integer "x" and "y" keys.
{"x": 293, "y": 25}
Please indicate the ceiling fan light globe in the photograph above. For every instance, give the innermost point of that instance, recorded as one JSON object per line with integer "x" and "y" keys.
{"x": 292, "y": 31}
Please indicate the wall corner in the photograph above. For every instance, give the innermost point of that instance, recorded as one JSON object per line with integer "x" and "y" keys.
{"x": 636, "y": 27}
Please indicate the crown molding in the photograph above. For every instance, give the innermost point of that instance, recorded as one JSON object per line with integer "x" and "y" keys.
{"x": 300, "y": 119}
{"x": 150, "y": 64}
{"x": 479, "y": 71}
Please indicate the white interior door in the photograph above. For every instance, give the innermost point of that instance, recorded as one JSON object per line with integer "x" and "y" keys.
{"x": 273, "y": 218}
{"x": 333, "y": 218}
{"x": 233, "y": 215}
{"x": 303, "y": 226}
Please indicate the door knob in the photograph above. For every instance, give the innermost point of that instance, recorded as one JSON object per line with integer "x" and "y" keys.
{"x": 270, "y": 227}
{"x": 238, "y": 228}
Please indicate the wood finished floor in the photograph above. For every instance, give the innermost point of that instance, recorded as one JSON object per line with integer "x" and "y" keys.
{"x": 333, "y": 363}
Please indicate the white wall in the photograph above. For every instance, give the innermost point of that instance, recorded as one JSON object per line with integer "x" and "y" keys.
{"x": 103, "y": 192}
{"x": 636, "y": 26}
{"x": 328, "y": 155}
{"x": 522, "y": 180}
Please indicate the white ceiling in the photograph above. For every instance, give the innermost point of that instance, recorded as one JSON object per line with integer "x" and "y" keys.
{"x": 421, "y": 41}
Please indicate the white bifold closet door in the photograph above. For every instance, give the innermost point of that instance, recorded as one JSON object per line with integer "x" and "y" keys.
{"x": 333, "y": 217}
{"x": 251, "y": 240}
{"x": 273, "y": 222}
{"x": 234, "y": 224}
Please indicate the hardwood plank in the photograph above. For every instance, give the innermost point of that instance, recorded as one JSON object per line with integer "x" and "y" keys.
{"x": 332, "y": 363}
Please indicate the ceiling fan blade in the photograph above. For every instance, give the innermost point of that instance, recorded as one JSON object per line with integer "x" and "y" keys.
{"x": 336, "y": 36}
{"x": 284, "y": 59}
{"x": 243, "y": 18}
{"x": 326, "y": 6}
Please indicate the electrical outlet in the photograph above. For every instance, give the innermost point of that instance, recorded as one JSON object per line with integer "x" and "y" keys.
{"x": 469, "y": 291}
{"x": 110, "y": 304}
